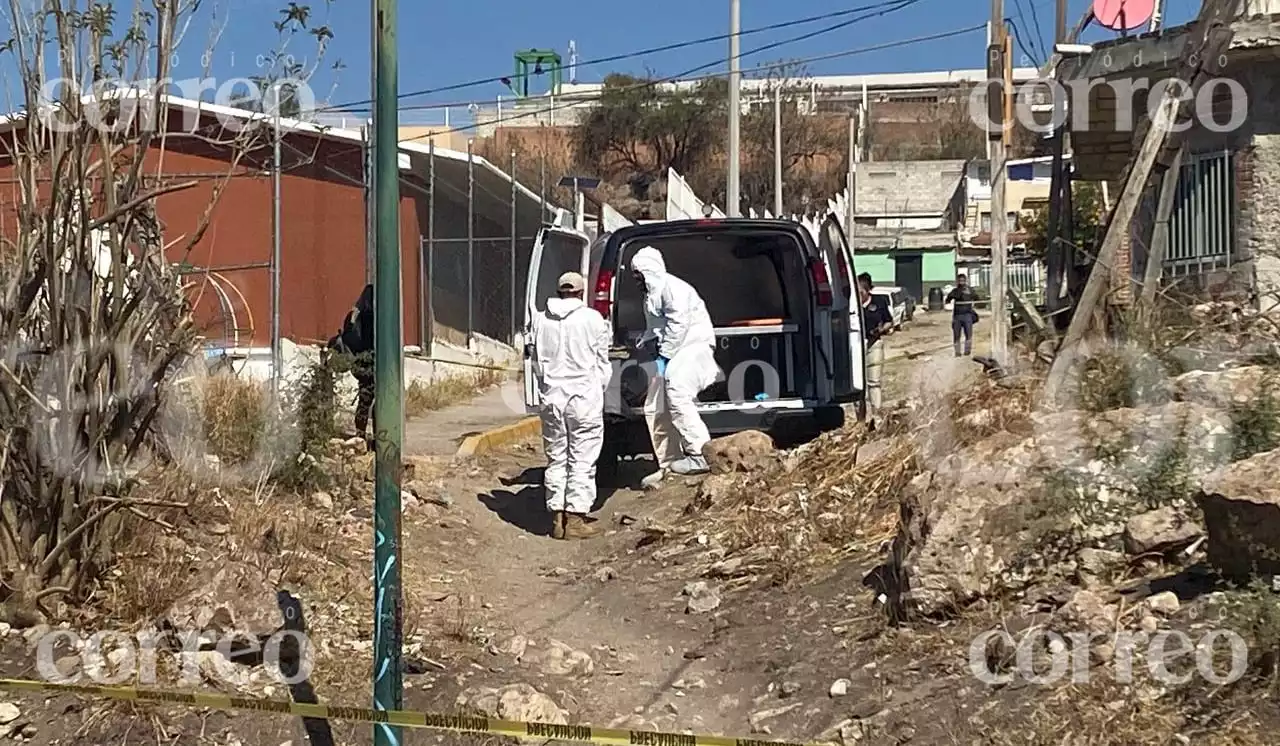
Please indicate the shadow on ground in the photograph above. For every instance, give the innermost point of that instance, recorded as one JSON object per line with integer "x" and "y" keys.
{"x": 525, "y": 508}
{"x": 523, "y": 505}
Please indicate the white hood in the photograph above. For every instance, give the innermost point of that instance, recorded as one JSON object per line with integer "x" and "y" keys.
{"x": 674, "y": 311}
{"x": 652, "y": 267}
{"x": 558, "y": 308}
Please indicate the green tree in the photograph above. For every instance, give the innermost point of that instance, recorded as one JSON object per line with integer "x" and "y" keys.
{"x": 1086, "y": 220}
{"x": 642, "y": 128}
{"x": 814, "y": 156}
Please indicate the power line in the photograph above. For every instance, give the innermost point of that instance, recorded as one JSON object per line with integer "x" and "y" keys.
{"x": 684, "y": 77}
{"x": 1022, "y": 44}
{"x": 652, "y": 50}
{"x": 1035, "y": 18}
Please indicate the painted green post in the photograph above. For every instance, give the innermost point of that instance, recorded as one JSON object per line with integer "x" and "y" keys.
{"x": 388, "y": 403}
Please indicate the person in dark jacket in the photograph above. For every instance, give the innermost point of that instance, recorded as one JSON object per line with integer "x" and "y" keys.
{"x": 356, "y": 340}
{"x": 964, "y": 314}
{"x": 877, "y": 321}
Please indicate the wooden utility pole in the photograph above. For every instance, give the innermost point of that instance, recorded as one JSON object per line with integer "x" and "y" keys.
{"x": 1056, "y": 250}
{"x": 998, "y": 53}
{"x": 1159, "y": 249}
{"x": 1209, "y": 41}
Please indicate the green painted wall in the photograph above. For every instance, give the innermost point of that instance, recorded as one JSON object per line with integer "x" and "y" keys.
{"x": 938, "y": 268}
{"x": 878, "y": 263}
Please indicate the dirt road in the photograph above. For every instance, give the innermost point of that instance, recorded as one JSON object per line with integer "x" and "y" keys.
{"x": 654, "y": 664}
{"x": 605, "y": 628}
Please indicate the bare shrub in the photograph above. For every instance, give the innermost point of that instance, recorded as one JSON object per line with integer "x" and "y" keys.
{"x": 93, "y": 310}
{"x": 234, "y": 412}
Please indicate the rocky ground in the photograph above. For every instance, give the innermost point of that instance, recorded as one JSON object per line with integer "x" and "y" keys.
{"x": 832, "y": 593}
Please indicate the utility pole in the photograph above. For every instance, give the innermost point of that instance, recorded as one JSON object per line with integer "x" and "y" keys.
{"x": 1056, "y": 249}
{"x": 777, "y": 151}
{"x": 1157, "y": 17}
{"x": 999, "y": 49}
{"x": 734, "y": 207}
{"x": 864, "y": 121}
{"x": 277, "y": 353}
{"x": 388, "y": 402}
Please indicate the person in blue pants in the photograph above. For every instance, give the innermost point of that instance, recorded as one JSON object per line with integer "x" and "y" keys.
{"x": 964, "y": 314}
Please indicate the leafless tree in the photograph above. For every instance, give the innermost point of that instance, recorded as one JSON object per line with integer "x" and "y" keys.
{"x": 93, "y": 316}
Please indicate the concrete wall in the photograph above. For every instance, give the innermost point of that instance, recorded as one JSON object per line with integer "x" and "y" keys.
{"x": 447, "y": 361}
{"x": 939, "y": 267}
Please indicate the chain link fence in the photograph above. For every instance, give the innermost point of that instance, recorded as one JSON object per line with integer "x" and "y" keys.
{"x": 479, "y": 232}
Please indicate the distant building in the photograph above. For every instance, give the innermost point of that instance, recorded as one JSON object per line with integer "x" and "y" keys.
{"x": 1026, "y": 189}
{"x": 903, "y": 95}
{"x": 906, "y": 219}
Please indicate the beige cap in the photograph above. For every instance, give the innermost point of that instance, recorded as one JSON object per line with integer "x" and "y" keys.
{"x": 572, "y": 281}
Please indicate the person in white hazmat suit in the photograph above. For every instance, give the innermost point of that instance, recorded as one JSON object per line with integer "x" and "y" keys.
{"x": 677, "y": 317}
{"x": 571, "y": 365}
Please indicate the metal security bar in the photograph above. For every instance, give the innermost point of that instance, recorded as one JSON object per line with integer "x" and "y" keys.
{"x": 1202, "y": 223}
{"x": 1026, "y": 277}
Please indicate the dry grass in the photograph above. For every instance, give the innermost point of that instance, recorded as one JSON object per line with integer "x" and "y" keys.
{"x": 991, "y": 407}
{"x": 1105, "y": 713}
{"x": 421, "y": 398}
{"x": 234, "y": 414}
{"x": 820, "y": 507}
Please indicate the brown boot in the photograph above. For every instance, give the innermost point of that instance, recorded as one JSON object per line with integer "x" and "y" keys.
{"x": 557, "y": 524}
{"x": 577, "y": 528}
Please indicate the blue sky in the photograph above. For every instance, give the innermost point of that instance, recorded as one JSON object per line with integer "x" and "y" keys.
{"x": 444, "y": 43}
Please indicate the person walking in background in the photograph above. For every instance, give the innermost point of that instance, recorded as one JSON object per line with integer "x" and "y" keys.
{"x": 964, "y": 314}
{"x": 877, "y": 321}
{"x": 356, "y": 340}
{"x": 572, "y": 369}
{"x": 677, "y": 316}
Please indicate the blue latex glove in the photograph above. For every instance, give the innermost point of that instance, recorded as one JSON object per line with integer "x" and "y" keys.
{"x": 662, "y": 366}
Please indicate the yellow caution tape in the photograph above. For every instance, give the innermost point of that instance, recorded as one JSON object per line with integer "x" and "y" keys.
{"x": 405, "y": 718}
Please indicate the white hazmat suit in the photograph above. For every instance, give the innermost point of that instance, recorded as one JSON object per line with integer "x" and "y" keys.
{"x": 571, "y": 363}
{"x": 677, "y": 316}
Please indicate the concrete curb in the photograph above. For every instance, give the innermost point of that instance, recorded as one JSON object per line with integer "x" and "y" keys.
{"x": 479, "y": 443}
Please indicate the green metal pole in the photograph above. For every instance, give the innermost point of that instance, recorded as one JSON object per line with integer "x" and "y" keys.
{"x": 388, "y": 402}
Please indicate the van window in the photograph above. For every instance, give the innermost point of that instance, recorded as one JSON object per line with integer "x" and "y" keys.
{"x": 739, "y": 275}
{"x": 560, "y": 253}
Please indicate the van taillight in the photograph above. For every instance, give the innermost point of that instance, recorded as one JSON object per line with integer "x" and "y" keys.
{"x": 822, "y": 282}
{"x": 601, "y": 298}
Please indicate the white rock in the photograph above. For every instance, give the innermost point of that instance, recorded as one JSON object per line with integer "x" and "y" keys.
{"x": 840, "y": 687}
{"x": 1165, "y": 602}
{"x": 9, "y": 712}
{"x": 702, "y": 598}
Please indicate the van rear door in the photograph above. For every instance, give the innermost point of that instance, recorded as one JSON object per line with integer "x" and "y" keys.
{"x": 555, "y": 251}
{"x": 848, "y": 342}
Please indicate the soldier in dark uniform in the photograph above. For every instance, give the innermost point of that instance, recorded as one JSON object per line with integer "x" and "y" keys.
{"x": 356, "y": 341}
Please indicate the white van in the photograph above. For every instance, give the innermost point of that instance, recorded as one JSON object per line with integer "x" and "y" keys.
{"x": 790, "y": 342}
